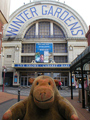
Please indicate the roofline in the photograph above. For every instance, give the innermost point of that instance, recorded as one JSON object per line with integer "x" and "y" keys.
{"x": 3, "y": 17}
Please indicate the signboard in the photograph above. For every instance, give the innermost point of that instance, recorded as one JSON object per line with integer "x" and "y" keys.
{"x": 80, "y": 76}
{"x": 41, "y": 65}
{"x": 67, "y": 16}
{"x": 44, "y": 52}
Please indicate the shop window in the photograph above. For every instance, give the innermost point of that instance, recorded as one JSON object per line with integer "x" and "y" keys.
{"x": 57, "y": 31}
{"x": 28, "y": 48}
{"x": 44, "y": 29}
{"x": 57, "y": 76}
{"x": 60, "y": 59}
{"x": 60, "y": 48}
{"x": 27, "y": 59}
{"x": 31, "y": 32}
{"x": 47, "y": 74}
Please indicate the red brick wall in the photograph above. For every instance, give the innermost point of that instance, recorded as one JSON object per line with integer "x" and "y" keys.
{"x": 88, "y": 36}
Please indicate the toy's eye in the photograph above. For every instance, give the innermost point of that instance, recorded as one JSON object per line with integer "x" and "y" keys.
{"x": 37, "y": 83}
{"x": 49, "y": 83}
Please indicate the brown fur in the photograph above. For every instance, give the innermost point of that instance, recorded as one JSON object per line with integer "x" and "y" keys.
{"x": 43, "y": 103}
{"x": 31, "y": 80}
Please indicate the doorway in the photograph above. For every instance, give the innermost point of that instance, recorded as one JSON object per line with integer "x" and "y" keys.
{"x": 46, "y": 74}
{"x": 64, "y": 81}
{"x": 23, "y": 81}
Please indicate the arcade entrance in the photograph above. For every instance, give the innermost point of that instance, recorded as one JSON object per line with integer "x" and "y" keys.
{"x": 24, "y": 81}
{"x": 63, "y": 77}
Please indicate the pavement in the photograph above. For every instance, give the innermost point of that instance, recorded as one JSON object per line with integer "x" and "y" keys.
{"x": 10, "y": 97}
{"x": 24, "y": 91}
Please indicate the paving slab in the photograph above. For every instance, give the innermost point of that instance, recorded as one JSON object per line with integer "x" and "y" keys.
{"x": 4, "y": 106}
{"x": 10, "y": 96}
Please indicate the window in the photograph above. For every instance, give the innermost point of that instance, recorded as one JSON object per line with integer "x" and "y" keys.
{"x": 27, "y": 59}
{"x": 60, "y": 59}
{"x": 60, "y": 48}
{"x": 44, "y": 29}
{"x": 31, "y": 32}
{"x": 57, "y": 32}
{"x": 28, "y": 48}
{"x": 8, "y": 56}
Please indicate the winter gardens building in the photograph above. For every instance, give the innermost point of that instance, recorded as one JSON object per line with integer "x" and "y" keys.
{"x": 42, "y": 38}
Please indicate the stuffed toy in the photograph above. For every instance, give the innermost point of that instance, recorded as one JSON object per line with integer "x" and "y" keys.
{"x": 43, "y": 103}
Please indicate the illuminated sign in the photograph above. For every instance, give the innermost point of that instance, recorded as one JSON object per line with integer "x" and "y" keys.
{"x": 65, "y": 16}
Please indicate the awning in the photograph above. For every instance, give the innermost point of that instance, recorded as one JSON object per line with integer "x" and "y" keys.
{"x": 80, "y": 61}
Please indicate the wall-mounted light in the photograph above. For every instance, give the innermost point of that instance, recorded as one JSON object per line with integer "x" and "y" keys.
{"x": 70, "y": 47}
{"x": 17, "y": 48}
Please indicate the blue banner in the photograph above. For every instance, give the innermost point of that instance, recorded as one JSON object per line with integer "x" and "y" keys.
{"x": 41, "y": 65}
{"x": 44, "y": 52}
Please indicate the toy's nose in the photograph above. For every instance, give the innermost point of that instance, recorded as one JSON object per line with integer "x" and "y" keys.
{"x": 42, "y": 94}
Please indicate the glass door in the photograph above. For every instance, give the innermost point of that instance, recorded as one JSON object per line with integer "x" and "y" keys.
{"x": 47, "y": 74}
{"x": 64, "y": 81}
{"x": 28, "y": 80}
{"x": 23, "y": 81}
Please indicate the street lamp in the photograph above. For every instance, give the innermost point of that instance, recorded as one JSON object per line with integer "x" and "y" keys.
{"x": 4, "y": 78}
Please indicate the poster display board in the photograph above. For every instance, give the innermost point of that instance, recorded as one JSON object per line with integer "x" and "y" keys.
{"x": 43, "y": 53}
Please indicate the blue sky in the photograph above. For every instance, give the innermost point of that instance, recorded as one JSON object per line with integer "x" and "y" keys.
{"x": 82, "y": 7}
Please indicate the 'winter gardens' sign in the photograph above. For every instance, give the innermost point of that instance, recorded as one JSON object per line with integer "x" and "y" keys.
{"x": 65, "y": 17}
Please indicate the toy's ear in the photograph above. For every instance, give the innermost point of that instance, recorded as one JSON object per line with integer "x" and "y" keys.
{"x": 56, "y": 82}
{"x": 31, "y": 80}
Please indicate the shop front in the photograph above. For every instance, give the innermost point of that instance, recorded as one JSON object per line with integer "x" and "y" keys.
{"x": 60, "y": 73}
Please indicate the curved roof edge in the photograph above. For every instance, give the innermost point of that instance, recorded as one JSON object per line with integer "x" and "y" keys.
{"x": 78, "y": 24}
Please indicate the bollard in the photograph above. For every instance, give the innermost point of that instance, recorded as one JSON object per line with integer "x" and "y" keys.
{"x": 18, "y": 95}
{"x": 89, "y": 108}
{"x": 89, "y": 101}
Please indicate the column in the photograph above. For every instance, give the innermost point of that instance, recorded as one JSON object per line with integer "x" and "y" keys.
{"x": 51, "y": 28}
{"x": 37, "y": 29}
{"x": 71, "y": 87}
{"x": 83, "y": 94}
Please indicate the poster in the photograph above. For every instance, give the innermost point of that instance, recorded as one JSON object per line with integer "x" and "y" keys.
{"x": 15, "y": 79}
{"x": 72, "y": 79}
{"x": 43, "y": 53}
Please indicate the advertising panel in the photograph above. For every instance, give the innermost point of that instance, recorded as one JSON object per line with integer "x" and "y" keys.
{"x": 44, "y": 52}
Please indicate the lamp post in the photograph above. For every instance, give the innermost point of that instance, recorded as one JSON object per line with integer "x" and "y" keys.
{"x": 4, "y": 78}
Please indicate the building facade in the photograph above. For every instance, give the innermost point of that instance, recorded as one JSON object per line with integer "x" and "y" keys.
{"x": 42, "y": 38}
{"x": 4, "y": 16}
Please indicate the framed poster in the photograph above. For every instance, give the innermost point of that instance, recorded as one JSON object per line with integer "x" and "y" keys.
{"x": 43, "y": 53}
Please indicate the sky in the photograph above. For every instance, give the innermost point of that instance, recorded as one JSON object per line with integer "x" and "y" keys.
{"x": 82, "y": 7}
